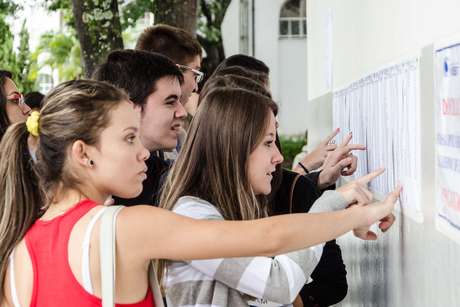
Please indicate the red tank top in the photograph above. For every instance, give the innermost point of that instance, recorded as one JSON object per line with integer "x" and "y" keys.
{"x": 54, "y": 282}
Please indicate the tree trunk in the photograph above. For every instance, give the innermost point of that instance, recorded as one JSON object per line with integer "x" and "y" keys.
{"x": 178, "y": 13}
{"x": 98, "y": 29}
{"x": 213, "y": 13}
{"x": 214, "y": 55}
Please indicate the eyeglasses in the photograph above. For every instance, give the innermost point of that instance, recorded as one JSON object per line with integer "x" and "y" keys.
{"x": 199, "y": 75}
{"x": 18, "y": 99}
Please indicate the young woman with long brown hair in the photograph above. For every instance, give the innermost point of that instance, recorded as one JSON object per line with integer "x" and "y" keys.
{"x": 12, "y": 106}
{"x": 295, "y": 193}
{"x": 224, "y": 172}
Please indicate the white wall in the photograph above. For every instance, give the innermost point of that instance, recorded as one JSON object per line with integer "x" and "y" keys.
{"x": 231, "y": 29}
{"x": 292, "y": 80}
{"x": 266, "y": 40}
{"x": 370, "y": 34}
{"x": 414, "y": 264}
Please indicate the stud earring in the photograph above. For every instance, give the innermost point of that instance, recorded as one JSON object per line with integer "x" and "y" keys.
{"x": 90, "y": 163}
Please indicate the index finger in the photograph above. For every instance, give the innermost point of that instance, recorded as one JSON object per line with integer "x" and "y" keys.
{"x": 347, "y": 139}
{"x": 393, "y": 196}
{"x": 331, "y": 136}
{"x": 351, "y": 147}
{"x": 341, "y": 152}
{"x": 367, "y": 178}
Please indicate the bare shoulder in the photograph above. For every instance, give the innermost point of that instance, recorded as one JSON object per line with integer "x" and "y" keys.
{"x": 140, "y": 226}
{"x": 146, "y": 232}
{"x": 137, "y": 216}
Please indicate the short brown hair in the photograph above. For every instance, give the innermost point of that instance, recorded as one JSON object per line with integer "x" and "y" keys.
{"x": 177, "y": 44}
{"x": 137, "y": 72}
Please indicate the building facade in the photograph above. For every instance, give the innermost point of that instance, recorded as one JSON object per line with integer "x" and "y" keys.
{"x": 274, "y": 31}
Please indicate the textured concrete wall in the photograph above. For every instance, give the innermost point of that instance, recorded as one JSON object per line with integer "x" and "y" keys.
{"x": 413, "y": 264}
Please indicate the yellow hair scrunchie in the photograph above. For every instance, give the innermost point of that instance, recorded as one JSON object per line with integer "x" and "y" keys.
{"x": 32, "y": 123}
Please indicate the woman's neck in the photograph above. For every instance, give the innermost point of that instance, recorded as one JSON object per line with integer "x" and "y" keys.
{"x": 67, "y": 199}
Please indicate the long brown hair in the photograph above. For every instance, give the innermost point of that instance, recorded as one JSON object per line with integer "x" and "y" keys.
{"x": 224, "y": 79}
{"x": 213, "y": 162}
{"x": 74, "y": 110}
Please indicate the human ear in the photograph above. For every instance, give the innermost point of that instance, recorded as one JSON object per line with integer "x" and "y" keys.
{"x": 80, "y": 154}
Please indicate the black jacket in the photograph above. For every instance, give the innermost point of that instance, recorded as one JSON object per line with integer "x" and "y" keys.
{"x": 329, "y": 285}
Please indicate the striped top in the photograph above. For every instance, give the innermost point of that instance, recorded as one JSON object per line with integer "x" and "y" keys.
{"x": 241, "y": 281}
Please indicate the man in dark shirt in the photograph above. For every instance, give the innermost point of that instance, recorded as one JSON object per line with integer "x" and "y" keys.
{"x": 153, "y": 83}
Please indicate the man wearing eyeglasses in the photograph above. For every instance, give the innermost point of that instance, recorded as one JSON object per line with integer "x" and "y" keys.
{"x": 12, "y": 106}
{"x": 184, "y": 50}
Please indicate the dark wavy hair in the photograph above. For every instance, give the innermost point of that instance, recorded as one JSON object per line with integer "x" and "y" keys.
{"x": 4, "y": 120}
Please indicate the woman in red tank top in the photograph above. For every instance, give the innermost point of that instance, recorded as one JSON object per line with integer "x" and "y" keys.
{"x": 89, "y": 149}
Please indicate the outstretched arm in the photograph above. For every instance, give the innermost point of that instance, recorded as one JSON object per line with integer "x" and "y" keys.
{"x": 157, "y": 233}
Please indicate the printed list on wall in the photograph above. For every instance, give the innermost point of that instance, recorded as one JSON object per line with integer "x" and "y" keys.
{"x": 447, "y": 89}
{"x": 382, "y": 110}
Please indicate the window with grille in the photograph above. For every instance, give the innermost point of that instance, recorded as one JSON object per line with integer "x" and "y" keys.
{"x": 293, "y": 19}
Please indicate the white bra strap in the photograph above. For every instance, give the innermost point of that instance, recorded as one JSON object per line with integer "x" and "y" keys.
{"x": 107, "y": 255}
{"x": 85, "y": 266}
{"x": 14, "y": 292}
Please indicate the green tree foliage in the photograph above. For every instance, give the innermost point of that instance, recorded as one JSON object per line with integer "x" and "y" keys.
{"x": 61, "y": 52}
{"x": 131, "y": 10}
{"x": 7, "y": 55}
{"x": 8, "y": 7}
{"x": 97, "y": 14}
{"x": 212, "y": 13}
{"x": 63, "y": 6}
{"x": 18, "y": 62}
{"x": 290, "y": 146}
{"x": 134, "y": 10}
{"x": 96, "y": 25}
{"x": 24, "y": 78}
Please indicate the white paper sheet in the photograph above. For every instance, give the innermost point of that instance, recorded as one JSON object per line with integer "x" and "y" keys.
{"x": 383, "y": 112}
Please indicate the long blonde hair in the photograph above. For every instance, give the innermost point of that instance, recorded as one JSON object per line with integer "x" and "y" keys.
{"x": 212, "y": 164}
{"x": 74, "y": 110}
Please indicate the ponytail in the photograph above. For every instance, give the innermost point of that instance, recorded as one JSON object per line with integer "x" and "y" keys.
{"x": 21, "y": 198}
